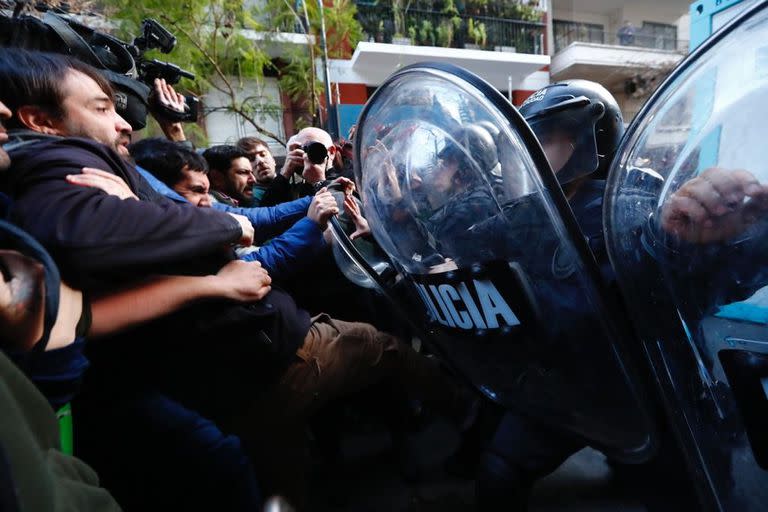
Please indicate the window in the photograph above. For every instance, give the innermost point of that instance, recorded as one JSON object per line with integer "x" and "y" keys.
{"x": 658, "y": 35}
{"x": 567, "y": 32}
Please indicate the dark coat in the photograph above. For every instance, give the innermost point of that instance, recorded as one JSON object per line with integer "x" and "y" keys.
{"x": 99, "y": 241}
{"x": 90, "y": 233}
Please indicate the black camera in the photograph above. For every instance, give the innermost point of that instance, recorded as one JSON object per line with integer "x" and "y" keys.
{"x": 316, "y": 152}
{"x": 155, "y": 35}
{"x": 123, "y": 64}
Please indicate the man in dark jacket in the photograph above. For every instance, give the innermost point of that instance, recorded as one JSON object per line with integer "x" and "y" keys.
{"x": 231, "y": 175}
{"x": 268, "y": 181}
{"x": 268, "y": 354}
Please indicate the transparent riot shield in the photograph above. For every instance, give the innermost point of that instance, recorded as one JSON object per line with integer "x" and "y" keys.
{"x": 687, "y": 224}
{"x": 483, "y": 255}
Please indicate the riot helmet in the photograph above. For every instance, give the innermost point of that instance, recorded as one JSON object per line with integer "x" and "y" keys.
{"x": 491, "y": 128}
{"x": 473, "y": 146}
{"x": 579, "y": 125}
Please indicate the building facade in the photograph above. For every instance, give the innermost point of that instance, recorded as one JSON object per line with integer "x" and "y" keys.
{"x": 629, "y": 47}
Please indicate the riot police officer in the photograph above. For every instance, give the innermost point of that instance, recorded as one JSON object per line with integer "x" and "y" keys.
{"x": 456, "y": 192}
{"x": 579, "y": 125}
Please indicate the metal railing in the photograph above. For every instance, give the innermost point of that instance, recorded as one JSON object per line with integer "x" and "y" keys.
{"x": 434, "y": 28}
{"x": 639, "y": 39}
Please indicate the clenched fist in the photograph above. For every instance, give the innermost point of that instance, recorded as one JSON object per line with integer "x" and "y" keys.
{"x": 247, "y": 229}
{"x": 715, "y": 206}
{"x": 322, "y": 208}
{"x": 244, "y": 281}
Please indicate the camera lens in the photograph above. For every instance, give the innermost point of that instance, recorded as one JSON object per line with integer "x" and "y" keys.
{"x": 316, "y": 152}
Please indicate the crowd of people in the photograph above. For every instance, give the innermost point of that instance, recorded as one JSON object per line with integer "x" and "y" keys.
{"x": 185, "y": 308}
{"x": 191, "y": 371}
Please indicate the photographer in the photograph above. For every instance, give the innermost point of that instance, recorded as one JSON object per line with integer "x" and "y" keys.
{"x": 310, "y": 155}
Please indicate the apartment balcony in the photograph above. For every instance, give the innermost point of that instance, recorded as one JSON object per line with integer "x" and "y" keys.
{"x": 278, "y": 44}
{"x": 612, "y": 58}
{"x": 419, "y": 27}
{"x": 282, "y": 37}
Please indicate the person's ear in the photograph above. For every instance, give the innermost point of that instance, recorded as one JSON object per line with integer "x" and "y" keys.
{"x": 39, "y": 120}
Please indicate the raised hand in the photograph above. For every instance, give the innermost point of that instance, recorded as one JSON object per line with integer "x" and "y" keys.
{"x": 361, "y": 225}
{"x": 167, "y": 97}
{"x": 322, "y": 208}
{"x": 715, "y": 206}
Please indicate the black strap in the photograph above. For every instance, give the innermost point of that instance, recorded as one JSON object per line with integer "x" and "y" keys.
{"x": 72, "y": 39}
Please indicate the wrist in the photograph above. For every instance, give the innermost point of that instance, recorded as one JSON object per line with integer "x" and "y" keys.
{"x": 213, "y": 286}
{"x": 320, "y": 223}
{"x": 174, "y": 132}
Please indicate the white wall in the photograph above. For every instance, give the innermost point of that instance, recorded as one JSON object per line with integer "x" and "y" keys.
{"x": 684, "y": 27}
{"x": 227, "y": 128}
{"x": 561, "y": 13}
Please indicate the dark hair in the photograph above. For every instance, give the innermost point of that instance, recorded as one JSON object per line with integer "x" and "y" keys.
{"x": 248, "y": 144}
{"x": 220, "y": 158}
{"x": 35, "y": 78}
{"x": 166, "y": 159}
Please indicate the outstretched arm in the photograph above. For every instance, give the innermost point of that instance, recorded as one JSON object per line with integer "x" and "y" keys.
{"x": 238, "y": 281}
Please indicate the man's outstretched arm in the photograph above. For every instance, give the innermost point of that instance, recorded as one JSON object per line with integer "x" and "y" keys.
{"x": 238, "y": 281}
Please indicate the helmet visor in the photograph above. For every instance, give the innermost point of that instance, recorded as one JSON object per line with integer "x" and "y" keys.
{"x": 568, "y": 140}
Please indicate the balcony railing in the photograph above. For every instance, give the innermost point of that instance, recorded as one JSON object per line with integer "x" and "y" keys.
{"x": 639, "y": 39}
{"x": 433, "y": 28}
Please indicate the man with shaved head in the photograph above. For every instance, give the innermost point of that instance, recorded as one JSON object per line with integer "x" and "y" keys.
{"x": 313, "y": 171}
{"x": 300, "y": 161}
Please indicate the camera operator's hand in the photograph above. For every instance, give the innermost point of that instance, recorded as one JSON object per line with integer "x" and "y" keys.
{"x": 244, "y": 281}
{"x": 715, "y": 206}
{"x": 246, "y": 227}
{"x": 322, "y": 208}
{"x": 353, "y": 210}
{"x": 294, "y": 160}
{"x": 108, "y": 182}
{"x": 165, "y": 94}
